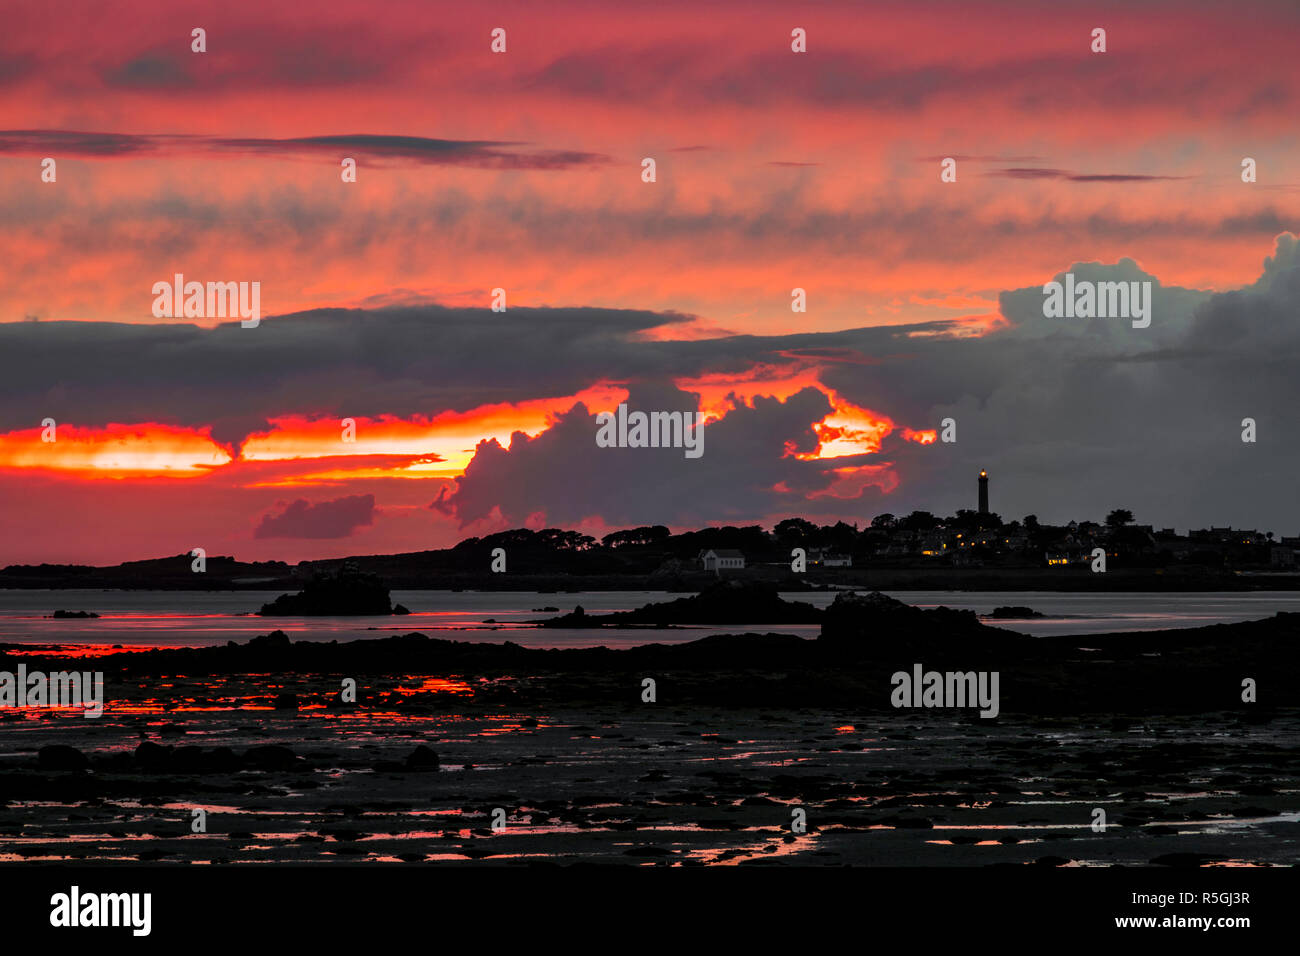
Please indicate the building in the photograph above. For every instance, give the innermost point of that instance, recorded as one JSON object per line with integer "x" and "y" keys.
{"x": 721, "y": 559}
{"x": 829, "y": 559}
{"x": 984, "y": 492}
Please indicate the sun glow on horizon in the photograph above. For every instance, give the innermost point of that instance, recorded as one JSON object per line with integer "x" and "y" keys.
{"x": 115, "y": 451}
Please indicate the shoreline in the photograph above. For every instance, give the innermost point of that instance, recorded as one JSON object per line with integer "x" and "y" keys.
{"x": 1055, "y": 580}
{"x": 1148, "y": 727}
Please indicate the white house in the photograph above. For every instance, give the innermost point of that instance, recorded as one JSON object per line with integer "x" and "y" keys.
{"x": 721, "y": 559}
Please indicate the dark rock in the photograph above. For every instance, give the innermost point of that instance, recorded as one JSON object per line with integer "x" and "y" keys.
{"x": 270, "y": 757}
{"x": 222, "y": 760}
{"x": 728, "y": 601}
{"x": 187, "y": 760}
{"x": 1187, "y": 859}
{"x": 347, "y": 591}
{"x": 1014, "y": 612}
{"x": 908, "y": 823}
{"x": 66, "y": 615}
{"x": 286, "y": 702}
{"x": 61, "y": 757}
{"x": 422, "y": 758}
{"x": 198, "y": 760}
{"x": 153, "y": 757}
{"x": 275, "y": 641}
{"x": 344, "y": 834}
{"x": 856, "y": 619}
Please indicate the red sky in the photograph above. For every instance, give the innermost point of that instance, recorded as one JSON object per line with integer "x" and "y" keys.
{"x": 775, "y": 170}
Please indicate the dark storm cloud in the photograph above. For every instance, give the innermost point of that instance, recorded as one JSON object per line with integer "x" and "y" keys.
{"x": 963, "y": 158}
{"x": 16, "y": 67}
{"x": 422, "y": 150}
{"x": 1072, "y": 417}
{"x": 339, "y": 518}
{"x": 297, "y": 56}
{"x": 684, "y": 75}
{"x": 32, "y": 142}
{"x": 564, "y": 473}
{"x": 1040, "y": 172}
{"x": 402, "y": 361}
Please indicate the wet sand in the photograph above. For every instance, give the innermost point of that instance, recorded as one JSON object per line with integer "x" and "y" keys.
{"x": 634, "y": 783}
{"x": 747, "y": 735}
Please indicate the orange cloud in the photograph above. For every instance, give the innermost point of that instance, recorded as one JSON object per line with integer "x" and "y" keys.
{"x": 146, "y": 450}
{"x": 440, "y": 447}
{"x": 848, "y": 430}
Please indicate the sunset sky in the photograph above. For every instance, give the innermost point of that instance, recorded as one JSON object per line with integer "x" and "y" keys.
{"x": 522, "y": 171}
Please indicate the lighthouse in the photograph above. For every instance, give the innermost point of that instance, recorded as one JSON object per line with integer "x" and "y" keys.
{"x": 984, "y": 492}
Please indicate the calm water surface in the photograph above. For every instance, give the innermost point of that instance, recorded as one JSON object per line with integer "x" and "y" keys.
{"x": 199, "y": 618}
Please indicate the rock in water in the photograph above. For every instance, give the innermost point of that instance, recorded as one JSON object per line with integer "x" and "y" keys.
{"x": 861, "y": 619}
{"x": 347, "y": 591}
{"x": 1014, "y": 613}
{"x": 729, "y": 601}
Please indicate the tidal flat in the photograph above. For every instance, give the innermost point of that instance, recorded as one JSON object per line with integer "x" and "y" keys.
{"x": 633, "y": 783}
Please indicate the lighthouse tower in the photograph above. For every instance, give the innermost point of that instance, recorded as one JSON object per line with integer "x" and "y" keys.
{"x": 984, "y": 492}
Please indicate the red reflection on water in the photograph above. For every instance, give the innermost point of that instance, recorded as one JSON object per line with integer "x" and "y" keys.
{"x": 84, "y": 650}
{"x": 437, "y": 685}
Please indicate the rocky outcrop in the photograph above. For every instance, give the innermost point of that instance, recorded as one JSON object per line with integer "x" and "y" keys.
{"x": 1017, "y": 612}
{"x": 729, "y": 601}
{"x": 329, "y": 593}
{"x": 858, "y": 619}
